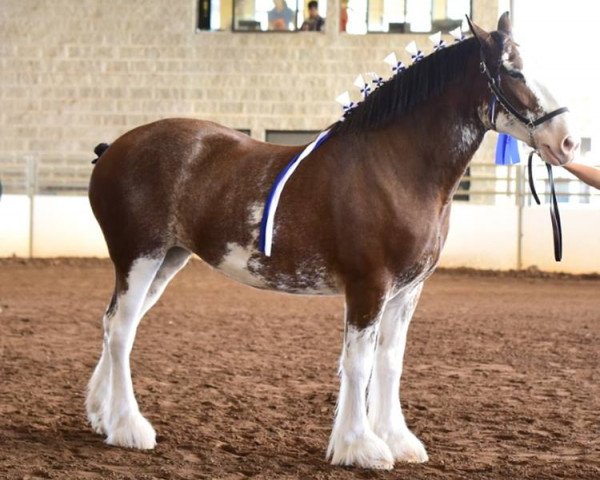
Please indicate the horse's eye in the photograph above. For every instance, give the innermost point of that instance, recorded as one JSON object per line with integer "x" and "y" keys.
{"x": 513, "y": 73}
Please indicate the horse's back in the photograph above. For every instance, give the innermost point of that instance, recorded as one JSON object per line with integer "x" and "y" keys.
{"x": 168, "y": 143}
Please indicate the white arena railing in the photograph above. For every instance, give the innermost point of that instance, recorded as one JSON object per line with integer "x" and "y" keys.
{"x": 44, "y": 212}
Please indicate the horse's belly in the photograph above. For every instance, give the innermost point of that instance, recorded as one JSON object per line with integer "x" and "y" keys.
{"x": 250, "y": 267}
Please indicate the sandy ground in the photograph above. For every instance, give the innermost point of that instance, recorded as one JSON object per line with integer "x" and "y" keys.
{"x": 501, "y": 378}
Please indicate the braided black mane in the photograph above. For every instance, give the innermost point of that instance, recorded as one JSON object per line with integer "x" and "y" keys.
{"x": 403, "y": 92}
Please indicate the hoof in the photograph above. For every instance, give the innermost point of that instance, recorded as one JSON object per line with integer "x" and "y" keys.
{"x": 366, "y": 451}
{"x": 132, "y": 431}
{"x": 406, "y": 447}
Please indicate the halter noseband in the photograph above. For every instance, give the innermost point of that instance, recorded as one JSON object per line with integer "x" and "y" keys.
{"x": 500, "y": 97}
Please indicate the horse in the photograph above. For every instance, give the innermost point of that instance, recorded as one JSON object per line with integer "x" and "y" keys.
{"x": 365, "y": 216}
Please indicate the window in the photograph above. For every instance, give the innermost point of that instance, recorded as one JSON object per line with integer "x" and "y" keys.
{"x": 214, "y": 14}
{"x": 262, "y": 15}
{"x": 255, "y": 15}
{"x": 402, "y": 16}
{"x": 291, "y": 137}
{"x": 356, "y": 16}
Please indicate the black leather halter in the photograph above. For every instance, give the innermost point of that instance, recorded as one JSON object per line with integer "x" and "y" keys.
{"x": 500, "y": 97}
{"x": 531, "y": 124}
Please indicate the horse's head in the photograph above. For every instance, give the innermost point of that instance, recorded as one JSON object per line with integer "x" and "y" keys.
{"x": 519, "y": 104}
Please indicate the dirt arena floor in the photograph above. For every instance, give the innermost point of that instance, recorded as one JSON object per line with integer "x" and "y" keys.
{"x": 501, "y": 380}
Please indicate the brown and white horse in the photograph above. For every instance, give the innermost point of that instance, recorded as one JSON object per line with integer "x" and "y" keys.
{"x": 365, "y": 215}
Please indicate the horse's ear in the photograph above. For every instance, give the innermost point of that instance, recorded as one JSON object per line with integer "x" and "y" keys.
{"x": 505, "y": 24}
{"x": 480, "y": 34}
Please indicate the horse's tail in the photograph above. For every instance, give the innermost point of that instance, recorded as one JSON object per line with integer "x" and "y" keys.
{"x": 99, "y": 150}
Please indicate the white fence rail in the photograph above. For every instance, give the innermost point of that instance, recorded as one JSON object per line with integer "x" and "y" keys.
{"x": 44, "y": 212}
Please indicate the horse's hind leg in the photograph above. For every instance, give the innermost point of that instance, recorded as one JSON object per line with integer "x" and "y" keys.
{"x": 353, "y": 441}
{"x": 98, "y": 394}
{"x": 99, "y": 388}
{"x": 385, "y": 413}
{"x": 125, "y": 424}
{"x": 175, "y": 259}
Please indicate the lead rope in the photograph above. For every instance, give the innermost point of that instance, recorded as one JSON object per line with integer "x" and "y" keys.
{"x": 554, "y": 213}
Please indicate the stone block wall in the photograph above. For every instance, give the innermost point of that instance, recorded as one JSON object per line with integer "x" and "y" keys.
{"x": 74, "y": 73}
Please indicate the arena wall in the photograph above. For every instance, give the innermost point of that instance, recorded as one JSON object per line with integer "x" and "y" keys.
{"x": 481, "y": 236}
{"x": 78, "y": 72}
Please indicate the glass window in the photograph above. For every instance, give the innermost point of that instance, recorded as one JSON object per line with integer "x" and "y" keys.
{"x": 402, "y": 16}
{"x": 449, "y": 14}
{"x": 418, "y": 15}
{"x": 262, "y": 15}
{"x": 215, "y": 14}
{"x": 313, "y": 17}
{"x": 353, "y": 15}
{"x": 291, "y": 137}
{"x": 356, "y": 16}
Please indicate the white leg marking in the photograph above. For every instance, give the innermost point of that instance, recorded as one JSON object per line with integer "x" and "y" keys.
{"x": 385, "y": 413}
{"x": 171, "y": 265}
{"x": 126, "y": 425}
{"x": 352, "y": 440}
{"x": 99, "y": 388}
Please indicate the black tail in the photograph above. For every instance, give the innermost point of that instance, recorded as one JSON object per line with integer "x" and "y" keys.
{"x": 99, "y": 150}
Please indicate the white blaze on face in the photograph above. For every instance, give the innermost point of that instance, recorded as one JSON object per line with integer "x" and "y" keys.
{"x": 548, "y": 137}
{"x": 543, "y": 97}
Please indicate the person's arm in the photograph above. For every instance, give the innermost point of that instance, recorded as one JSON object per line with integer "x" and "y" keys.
{"x": 589, "y": 175}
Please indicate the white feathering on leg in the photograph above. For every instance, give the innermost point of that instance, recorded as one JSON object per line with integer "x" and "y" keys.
{"x": 352, "y": 440}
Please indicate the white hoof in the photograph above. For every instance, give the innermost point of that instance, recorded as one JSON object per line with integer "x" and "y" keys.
{"x": 366, "y": 451}
{"x": 132, "y": 431}
{"x": 405, "y": 446}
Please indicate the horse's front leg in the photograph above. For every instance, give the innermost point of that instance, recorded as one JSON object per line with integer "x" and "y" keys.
{"x": 385, "y": 413}
{"x": 352, "y": 439}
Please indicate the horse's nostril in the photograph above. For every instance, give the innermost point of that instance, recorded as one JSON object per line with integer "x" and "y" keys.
{"x": 569, "y": 144}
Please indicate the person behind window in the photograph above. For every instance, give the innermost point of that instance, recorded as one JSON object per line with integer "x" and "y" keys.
{"x": 343, "y": 15}
{"x": 281, "y": 16}
{"x": 314, "y": 22}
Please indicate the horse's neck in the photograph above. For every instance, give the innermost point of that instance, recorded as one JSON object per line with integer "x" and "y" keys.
{"x": 455, "y": 133}
{"x": 435, "y": 142}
